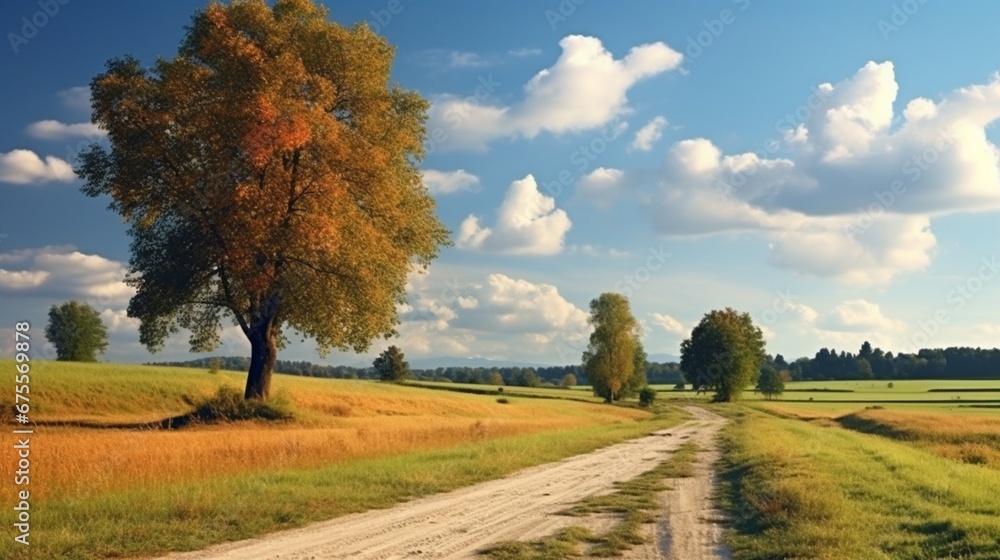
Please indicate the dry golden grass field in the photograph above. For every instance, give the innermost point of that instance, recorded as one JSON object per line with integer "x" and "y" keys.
{"x": 108, "y": 483}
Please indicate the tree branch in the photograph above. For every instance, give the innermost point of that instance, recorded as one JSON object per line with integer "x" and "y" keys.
{"x": 224, "y": 279}
{"x": 317, "y": 268}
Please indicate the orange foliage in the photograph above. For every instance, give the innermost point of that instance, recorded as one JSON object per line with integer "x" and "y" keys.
{"x": 276, "y": 153}
{"x": 273, "y": 133}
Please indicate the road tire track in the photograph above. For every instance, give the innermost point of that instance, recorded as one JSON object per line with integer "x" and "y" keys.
{"x": 691, "y": 527}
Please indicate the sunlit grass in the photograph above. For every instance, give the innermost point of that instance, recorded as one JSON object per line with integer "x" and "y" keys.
{"x": 335, "y": 421}
{"x": 799, "y": 489}
{"x": 101, "y": 492}
{"x": 960, "y": 437}
{"x": 195, "y": 512}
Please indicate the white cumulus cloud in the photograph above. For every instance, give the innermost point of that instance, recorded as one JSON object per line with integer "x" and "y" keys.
{"x": 826, "y": 247}
{"x": 55, "y": 130}
{"x": 118, "y": 321}
{"x": 585, "y": 89}
{"x": 649, "y": 134}
{"x": 62, "y": 273}
{"x": 22, "y": 279}
{"x": 492, "y": 315}
{"x": 528, "y": 223}
{"x": 853, "y": 193}
{"x": 668, "y": 323}
{"x": 601, "y": 186}
{"x": 858, "y": 315}
{"x": 448, "y": 182}
{"x": 24, "y": 167}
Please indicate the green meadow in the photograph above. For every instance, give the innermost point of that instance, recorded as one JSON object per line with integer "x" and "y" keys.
{"x": 863, "y": 470}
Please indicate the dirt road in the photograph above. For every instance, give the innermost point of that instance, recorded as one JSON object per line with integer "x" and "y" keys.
{"x": 691, "y": 527}
{"x": 522, "y": 506}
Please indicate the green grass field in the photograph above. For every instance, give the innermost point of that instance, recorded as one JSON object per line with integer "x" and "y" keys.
{"x": 875, "y": 390}
{"x": 799, "y": 489}
{"x": 865, "y": 471}
{"x": 940, "y": 391}
{"x": 831, "y": 398}
{"x": 838, "y": 398}
{"x": 102, "y": 492}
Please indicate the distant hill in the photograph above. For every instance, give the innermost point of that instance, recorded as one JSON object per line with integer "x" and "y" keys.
{"x": 663, "y": 358}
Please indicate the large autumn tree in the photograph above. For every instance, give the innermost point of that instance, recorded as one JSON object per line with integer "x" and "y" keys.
{"x": 724, "y": 353}
{"x": 615, "y": 351}
{"x": 268, "y": 176}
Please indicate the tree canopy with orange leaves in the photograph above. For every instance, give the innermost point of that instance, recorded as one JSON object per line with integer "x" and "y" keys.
{"x": 268, "y": 176}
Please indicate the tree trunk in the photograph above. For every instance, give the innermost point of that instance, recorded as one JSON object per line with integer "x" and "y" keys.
{"x": 263, "y": 354}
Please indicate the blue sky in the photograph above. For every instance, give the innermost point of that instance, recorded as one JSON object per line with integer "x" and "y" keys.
{"x": 828, "y": 167}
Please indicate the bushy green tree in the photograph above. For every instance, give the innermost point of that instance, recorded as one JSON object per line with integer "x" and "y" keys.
{"x": 390, "y": 365}
{"x": 771, "y": 383}
{"x": 610, "y": 358}
{"x": 647, "y": 396}
{"x": 77, "y": 332}
{"x": 638, "y": 378}
{"x": 526, "y": 377}
{"x": 723, "y": 354}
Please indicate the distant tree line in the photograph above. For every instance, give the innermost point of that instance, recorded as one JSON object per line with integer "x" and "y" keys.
{"x": 873, "y": 363}
{"x": 827, "y": 364}
{"x": 308, "y": 369}
{"x": 657, "y": 373}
